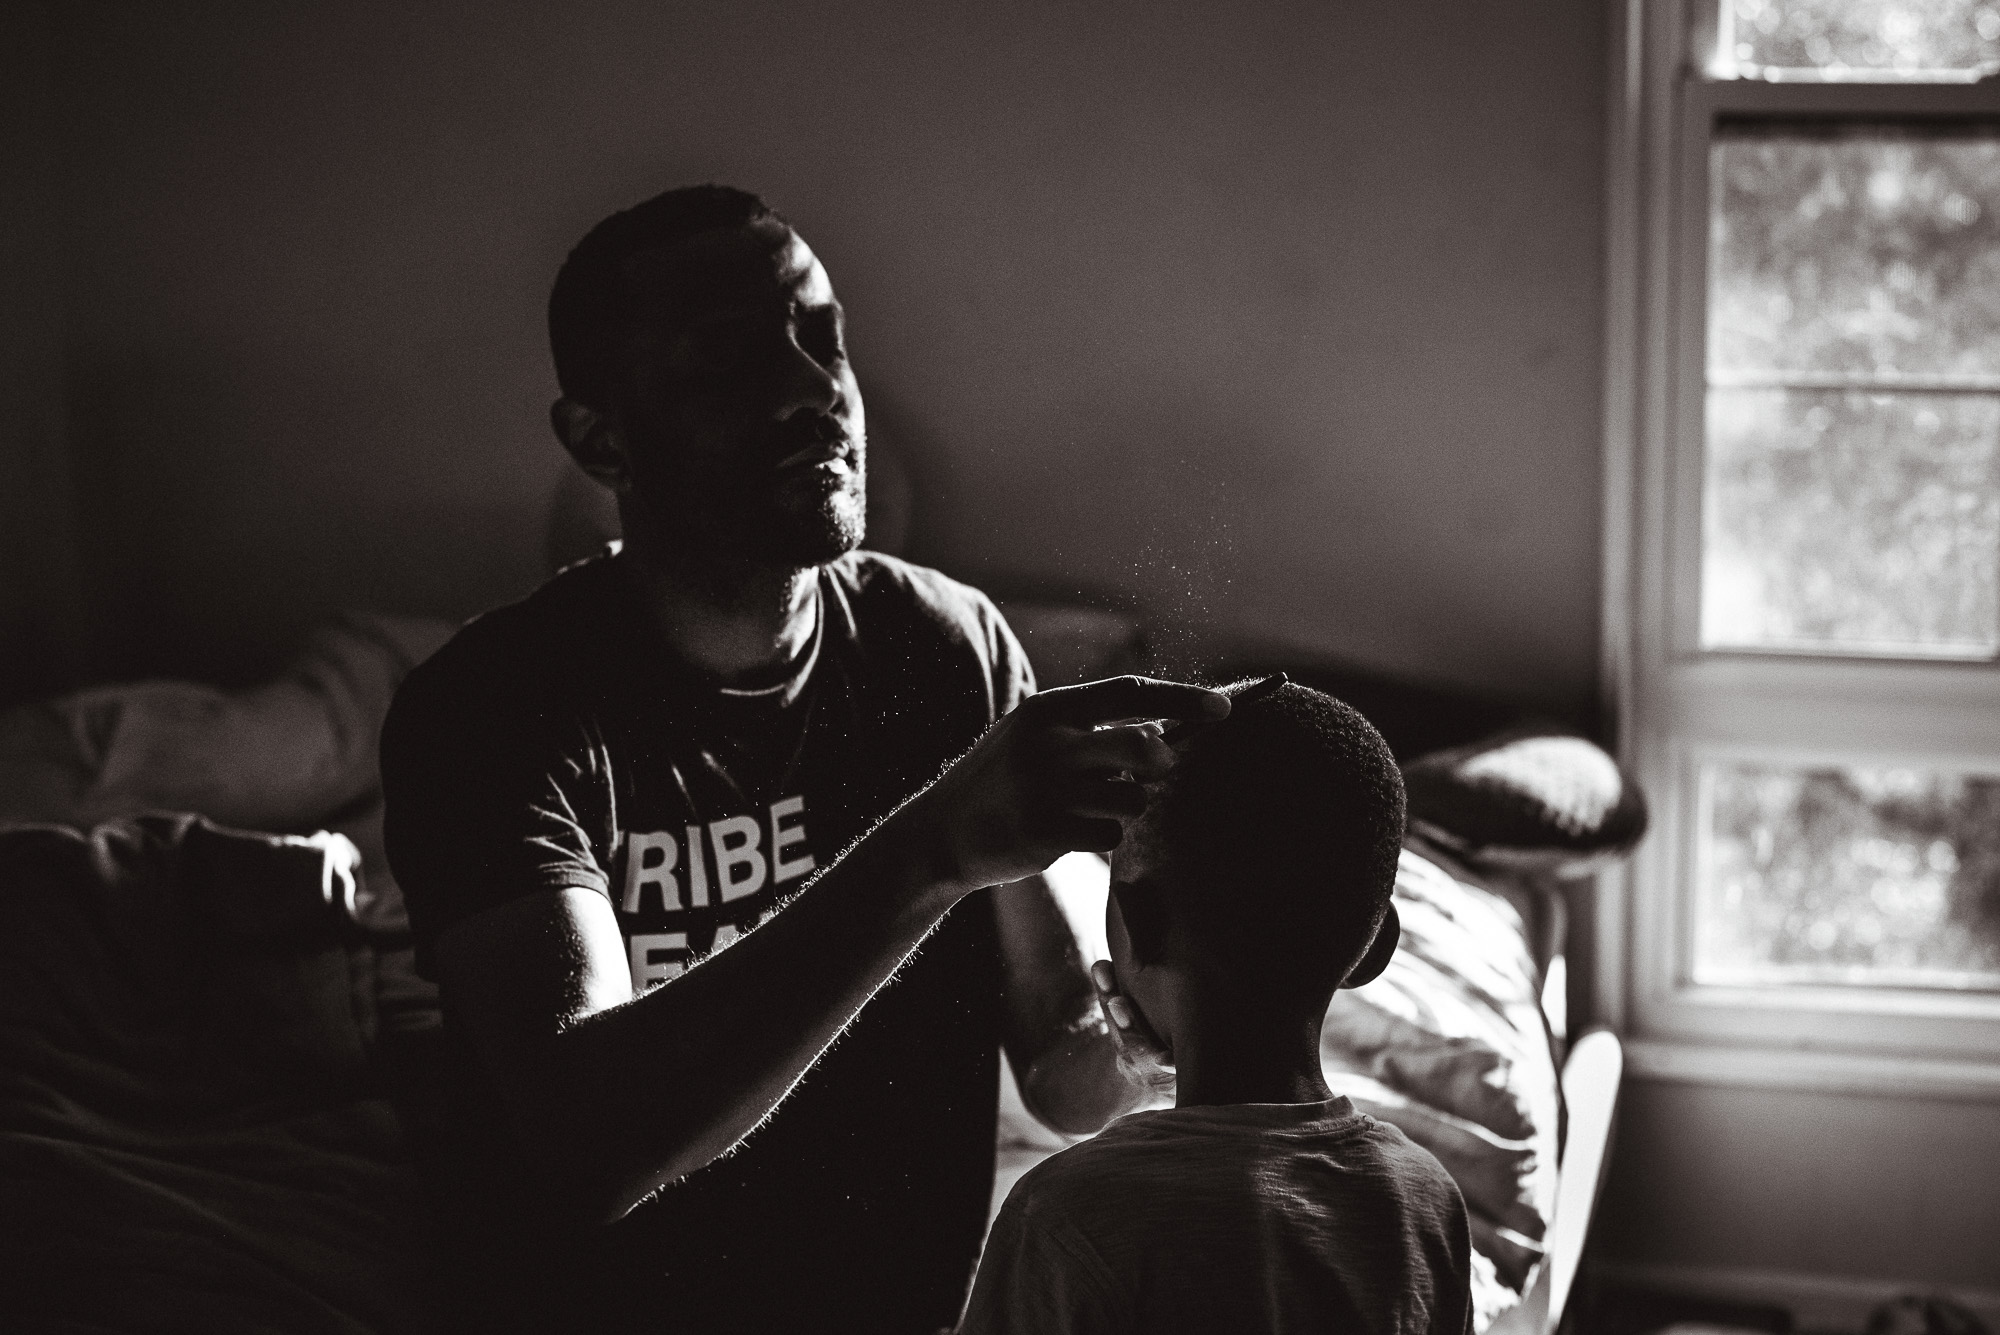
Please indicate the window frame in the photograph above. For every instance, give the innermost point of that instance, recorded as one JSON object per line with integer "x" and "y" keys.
{"x": 1677, "y": 705}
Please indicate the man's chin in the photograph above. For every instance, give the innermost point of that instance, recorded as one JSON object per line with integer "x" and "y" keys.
{"x": 826, "y": 532}
{"x": 799, "y": 531}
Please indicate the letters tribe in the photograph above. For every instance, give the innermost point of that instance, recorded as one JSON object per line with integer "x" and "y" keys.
{"x": 707, "y": 874}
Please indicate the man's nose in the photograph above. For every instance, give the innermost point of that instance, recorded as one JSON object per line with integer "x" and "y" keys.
{"x": 806, "y": 385}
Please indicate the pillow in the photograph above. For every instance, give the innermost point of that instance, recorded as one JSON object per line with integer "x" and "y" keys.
{"x": 1527, "y": 799}
{"x": 280, "y": 756}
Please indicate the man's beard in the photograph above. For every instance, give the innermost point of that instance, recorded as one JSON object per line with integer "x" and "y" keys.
{"x": 832, "y": 525}
{"x": 736, "y": 519}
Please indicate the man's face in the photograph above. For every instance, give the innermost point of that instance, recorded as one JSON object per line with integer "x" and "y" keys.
{"x": 744, "y": 421}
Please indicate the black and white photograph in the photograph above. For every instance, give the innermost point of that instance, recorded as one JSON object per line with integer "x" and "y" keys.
{"x": 1232, "y": 667}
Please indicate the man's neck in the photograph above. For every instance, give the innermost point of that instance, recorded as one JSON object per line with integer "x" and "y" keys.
{"x": 735, "y": 622}
{"x": 1220, "y": 1059}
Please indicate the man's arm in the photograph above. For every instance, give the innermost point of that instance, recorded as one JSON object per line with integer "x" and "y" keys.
{"x": 617, "y": 1095}
{"x": 1076, "y": 1071}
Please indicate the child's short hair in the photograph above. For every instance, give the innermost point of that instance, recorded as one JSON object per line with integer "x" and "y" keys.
{"x": 1277, "y": 835}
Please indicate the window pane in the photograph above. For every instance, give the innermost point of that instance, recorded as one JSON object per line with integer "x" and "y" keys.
{"x": 1852, "y": 499}
{"x": 1870, "y": 877}
{"x": 1862, "y": 251}
{"x": 1852, "y": 522}
{"x": 1856, "y": 37}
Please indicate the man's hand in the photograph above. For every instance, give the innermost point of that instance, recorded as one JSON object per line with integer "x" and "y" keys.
{"x": 1142, "y": 1058}
{"x": 1059, "y": 774}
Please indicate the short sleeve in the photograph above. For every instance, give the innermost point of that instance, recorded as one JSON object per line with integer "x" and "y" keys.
{"x": 486, "y": 800}
{"x": 1040, "y": 1277}
{"x": 1013, "y": 676}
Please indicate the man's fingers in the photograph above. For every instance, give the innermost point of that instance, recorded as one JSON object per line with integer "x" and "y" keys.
{"x": 1106, "y": 983}
{"x": 1088, "y": 834}
{"x": 1137, "y": 1043}
{"x": 1131, "y": 697}
{"x": 1100, "y": 798}
{"x": 1117, "y": 1011}
{"x": 1137, "y": 750}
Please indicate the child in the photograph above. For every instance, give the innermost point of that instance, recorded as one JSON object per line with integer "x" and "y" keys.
{"x": 1256, "y": 884}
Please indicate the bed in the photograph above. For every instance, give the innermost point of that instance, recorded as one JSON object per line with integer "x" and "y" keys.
{"x": 211, "y": 1033}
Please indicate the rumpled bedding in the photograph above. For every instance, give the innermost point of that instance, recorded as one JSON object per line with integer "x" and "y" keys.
{"x": 283, "y": 755}
{"x": 193, "y": 1136}
{"x": 197, "y": 1024}
{"x": 1450, "y": 1045}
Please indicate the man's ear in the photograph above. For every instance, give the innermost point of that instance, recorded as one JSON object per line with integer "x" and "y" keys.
{"x": 1143, "y": 906}
{"x": 595, "y": 441}
{"x": 1379, "y": 951}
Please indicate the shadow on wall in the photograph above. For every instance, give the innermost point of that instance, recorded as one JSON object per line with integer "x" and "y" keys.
{"x": 211, "y": 545}
{"x": 1310, "y": 287}
{"x": 1010, "y": 531}
{"x": 1075, "y": 632}
{"x": 211, "y": 548}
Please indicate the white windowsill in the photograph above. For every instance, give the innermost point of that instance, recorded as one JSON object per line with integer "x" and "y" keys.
{"x": 1810, "y": 1070}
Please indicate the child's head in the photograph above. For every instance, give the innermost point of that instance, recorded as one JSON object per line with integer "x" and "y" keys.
{"x": 1262, "y": 869}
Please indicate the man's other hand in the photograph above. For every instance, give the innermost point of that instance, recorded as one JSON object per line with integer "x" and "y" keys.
{"x": 1142, "y": 1058}
{"x": 1057, "y": 775}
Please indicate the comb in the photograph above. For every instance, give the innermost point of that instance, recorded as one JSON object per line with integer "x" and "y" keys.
{"x": 1250, "y": 694}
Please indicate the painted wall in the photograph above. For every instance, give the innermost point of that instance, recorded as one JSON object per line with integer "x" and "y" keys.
{"x": 1279, "y": 318}
{"x": 1879, "y": 1195}
{"x": 37, "y": 593}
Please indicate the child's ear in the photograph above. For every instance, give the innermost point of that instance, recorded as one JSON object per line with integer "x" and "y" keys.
{"x": 1143, "y": 906}
{"x": 1379, "y": 951}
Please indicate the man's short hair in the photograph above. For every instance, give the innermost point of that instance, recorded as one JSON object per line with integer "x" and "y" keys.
{"x": 1277, "y": 835}
{"x": 592, "y": 309}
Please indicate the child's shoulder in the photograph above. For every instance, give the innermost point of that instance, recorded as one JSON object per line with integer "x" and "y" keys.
{"x": 1070, "y": 1174}
{"x": 1123, "y": 1162}
{"x": 1172, "y": 1152}
{"x": 1400, "y": 1157}
{"x": 1175, "y": 1154}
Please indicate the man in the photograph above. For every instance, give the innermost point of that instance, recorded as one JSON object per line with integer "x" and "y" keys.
{"x": 593, "y": 792}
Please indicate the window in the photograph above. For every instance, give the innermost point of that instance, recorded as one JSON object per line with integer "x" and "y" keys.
{"x": 1803, "y": 602}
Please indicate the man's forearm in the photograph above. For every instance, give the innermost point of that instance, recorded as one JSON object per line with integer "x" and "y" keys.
{"x": 640, "y": 1094}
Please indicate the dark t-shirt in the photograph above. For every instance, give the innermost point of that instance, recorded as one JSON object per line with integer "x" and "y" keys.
{"x": 554, "y": 744}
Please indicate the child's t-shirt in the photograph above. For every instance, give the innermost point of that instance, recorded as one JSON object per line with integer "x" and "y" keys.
{"x": 1241, "y": 1217}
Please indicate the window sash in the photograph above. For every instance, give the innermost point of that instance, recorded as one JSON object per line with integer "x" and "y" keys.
{"x": 1702, "y": 103}
{"x": 1927, "y": 1022}
{"x": 1682, "y": 706}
